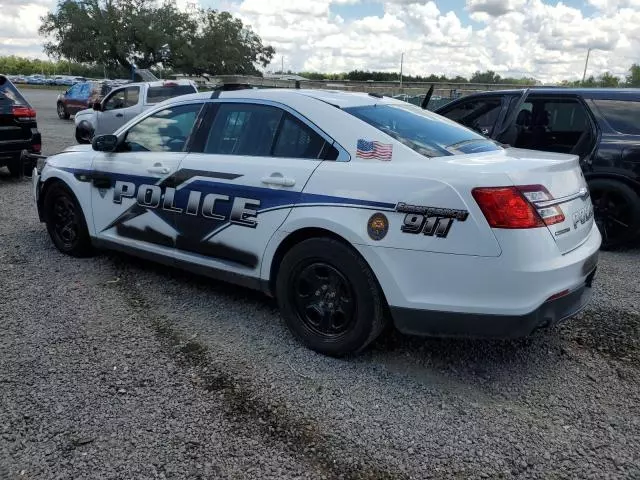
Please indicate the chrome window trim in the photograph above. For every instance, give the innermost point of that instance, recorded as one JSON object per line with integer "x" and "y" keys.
{"x": 343, "y": 154}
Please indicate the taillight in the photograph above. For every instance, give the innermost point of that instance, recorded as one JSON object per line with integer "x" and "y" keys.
{"x": 538, "y": 193}
{"x": 514, "y": 207}
{"x": 23, "y": 113}
{"x": 506, "y": 207}
{"x": 36, "y": 147}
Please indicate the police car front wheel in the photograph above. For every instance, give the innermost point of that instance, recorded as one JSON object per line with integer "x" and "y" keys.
{"x": 329, "y": 297}
{"x": 65, "y": 221}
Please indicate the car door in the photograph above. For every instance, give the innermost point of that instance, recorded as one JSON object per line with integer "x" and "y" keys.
{"x": 480, "y": 113}
{"x": 116, "y": 109}
{"x": 255, "y": 160}
{"x": 72, "y": 99}
{"x": 131, "y": 204}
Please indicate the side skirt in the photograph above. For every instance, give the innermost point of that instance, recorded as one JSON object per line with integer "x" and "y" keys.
{"x": 229, "y": 277}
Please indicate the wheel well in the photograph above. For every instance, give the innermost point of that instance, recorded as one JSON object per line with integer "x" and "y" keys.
{"x": 619, "y": 178}
{"x": 43, "y": 193}
{"x": 293, "y": 239}
{"x": 304, "y": 234}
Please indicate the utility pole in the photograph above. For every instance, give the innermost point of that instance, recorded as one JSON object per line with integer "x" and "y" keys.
{"x": 585, "y": 66}
{"x": 401, "y": 62}
{"x": 282, "y": 67}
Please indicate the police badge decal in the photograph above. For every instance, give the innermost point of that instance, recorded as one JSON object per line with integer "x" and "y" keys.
{"x": 377, "y": 226}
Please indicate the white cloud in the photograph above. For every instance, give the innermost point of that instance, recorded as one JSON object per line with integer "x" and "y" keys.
{"x": 494, "y": 8}
{"x": 540, "y": 38}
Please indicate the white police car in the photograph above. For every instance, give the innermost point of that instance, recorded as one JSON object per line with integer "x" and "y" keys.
{"x": 351, "y": 209}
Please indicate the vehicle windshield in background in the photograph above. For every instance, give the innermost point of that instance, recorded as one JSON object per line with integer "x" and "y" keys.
{"x": 424, "y": 132}
{"x": 165, "y": 92}
{"x": 9, "y": 95}
{"x": 622, "y": 115}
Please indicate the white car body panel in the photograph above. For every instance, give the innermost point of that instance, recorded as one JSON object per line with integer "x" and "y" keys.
{"x": 471, "y": 269}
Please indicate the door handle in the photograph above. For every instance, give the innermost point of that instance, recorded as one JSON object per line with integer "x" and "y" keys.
{"x": 158, "y": 170}
{"x": 278, "y": 180}
{"x": 119, "y": 115}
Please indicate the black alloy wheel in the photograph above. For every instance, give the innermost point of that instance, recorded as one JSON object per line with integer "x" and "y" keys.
{"x": 323, "y": 299}
{"x": 329, "y": 297}
{"x": 616, "y": 209}
{"x": 65, "y": 222}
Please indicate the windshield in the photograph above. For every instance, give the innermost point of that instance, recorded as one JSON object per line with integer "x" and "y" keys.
{"x": 427, "y": 133}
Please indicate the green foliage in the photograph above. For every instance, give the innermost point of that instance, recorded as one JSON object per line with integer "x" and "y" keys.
{"x": 125, "y": 32}
{"x": 633, "y": 79}
{"x": 13, "y": 65}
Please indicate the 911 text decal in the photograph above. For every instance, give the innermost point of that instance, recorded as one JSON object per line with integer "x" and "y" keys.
{"x": 429, "y": 220}
{"x": 154, "y": 196}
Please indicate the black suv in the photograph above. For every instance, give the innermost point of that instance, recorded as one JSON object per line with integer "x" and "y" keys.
{"x": 18, "y": 129}
{"x": 601, "y": 126}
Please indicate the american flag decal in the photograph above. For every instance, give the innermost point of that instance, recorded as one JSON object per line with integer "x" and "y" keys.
{"x": 374, "y": 149}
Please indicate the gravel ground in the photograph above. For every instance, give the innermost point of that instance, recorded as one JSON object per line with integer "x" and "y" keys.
{"x": 112, "y": 367}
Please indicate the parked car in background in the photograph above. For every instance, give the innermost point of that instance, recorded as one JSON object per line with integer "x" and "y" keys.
{"x": 18, "y": 128}
{"x": 601, "y": 126}
{"x": 80, "y": 96}
{"x": 125, "y": 102}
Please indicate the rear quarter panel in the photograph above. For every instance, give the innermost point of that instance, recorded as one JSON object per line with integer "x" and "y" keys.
{"x": 352, "y": 185}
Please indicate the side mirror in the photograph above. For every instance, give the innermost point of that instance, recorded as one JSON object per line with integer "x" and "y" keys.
{"x": 105, "y": 143}
{"x": 97, "y": 106}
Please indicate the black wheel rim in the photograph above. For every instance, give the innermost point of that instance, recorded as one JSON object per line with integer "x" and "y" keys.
{"x": 323, "y": 299}
{"x": 65, "y": 221}
{"x": 613, "y": 215}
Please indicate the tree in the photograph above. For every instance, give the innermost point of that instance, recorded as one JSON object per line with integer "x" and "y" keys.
{"x": 221, "y": 44}
{"x": 485, "y": 77}
{"x": 633, "y": 79}
{"x": 608, "y": 80}
{"x": 126, "y": 32}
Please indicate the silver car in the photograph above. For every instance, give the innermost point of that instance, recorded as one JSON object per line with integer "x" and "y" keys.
{"x": 125, "y": 102}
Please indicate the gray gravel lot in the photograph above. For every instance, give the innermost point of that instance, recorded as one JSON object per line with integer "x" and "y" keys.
{"x": 112, "y": 367}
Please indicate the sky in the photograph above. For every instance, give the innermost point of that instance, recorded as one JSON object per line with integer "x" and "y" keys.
{"x": 545, "y": 39}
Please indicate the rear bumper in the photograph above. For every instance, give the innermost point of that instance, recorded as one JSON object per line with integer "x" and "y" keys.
{"x": 11, "y": 150}
{"x": 455, "y": 324}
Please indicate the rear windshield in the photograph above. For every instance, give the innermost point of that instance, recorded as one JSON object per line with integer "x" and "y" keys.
{"x": 427, "y": 133}
{"x": 622, "y": 115}
{"x": 165, "y": 92}
{"x": 9, "y": 95}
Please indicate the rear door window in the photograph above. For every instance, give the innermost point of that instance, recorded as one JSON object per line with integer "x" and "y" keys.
{"x": 9, "y": 94}
{"x": 164, "y": 92}
{"x": 480, "y": 115}
{"x": 622, "y": 115}
{"x": 296, "y": 140}
{"x": 244, "y": 129}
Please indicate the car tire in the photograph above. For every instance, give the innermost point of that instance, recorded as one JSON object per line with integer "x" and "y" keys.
{"x": 15, "y": 168}
{"x": 329, "y": 297}
{"x": 65, "y": 221}
{"x": 616, "y": 210}
{"x": 62, "y": 111}
{"x": 83, "y": 134}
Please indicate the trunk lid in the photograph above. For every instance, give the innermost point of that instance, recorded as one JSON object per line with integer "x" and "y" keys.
{"x": 568, "y": 194}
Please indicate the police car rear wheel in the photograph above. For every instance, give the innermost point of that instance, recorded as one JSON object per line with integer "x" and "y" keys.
{"x": 65, "y": 222}
{"x": 329, "y": 297}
